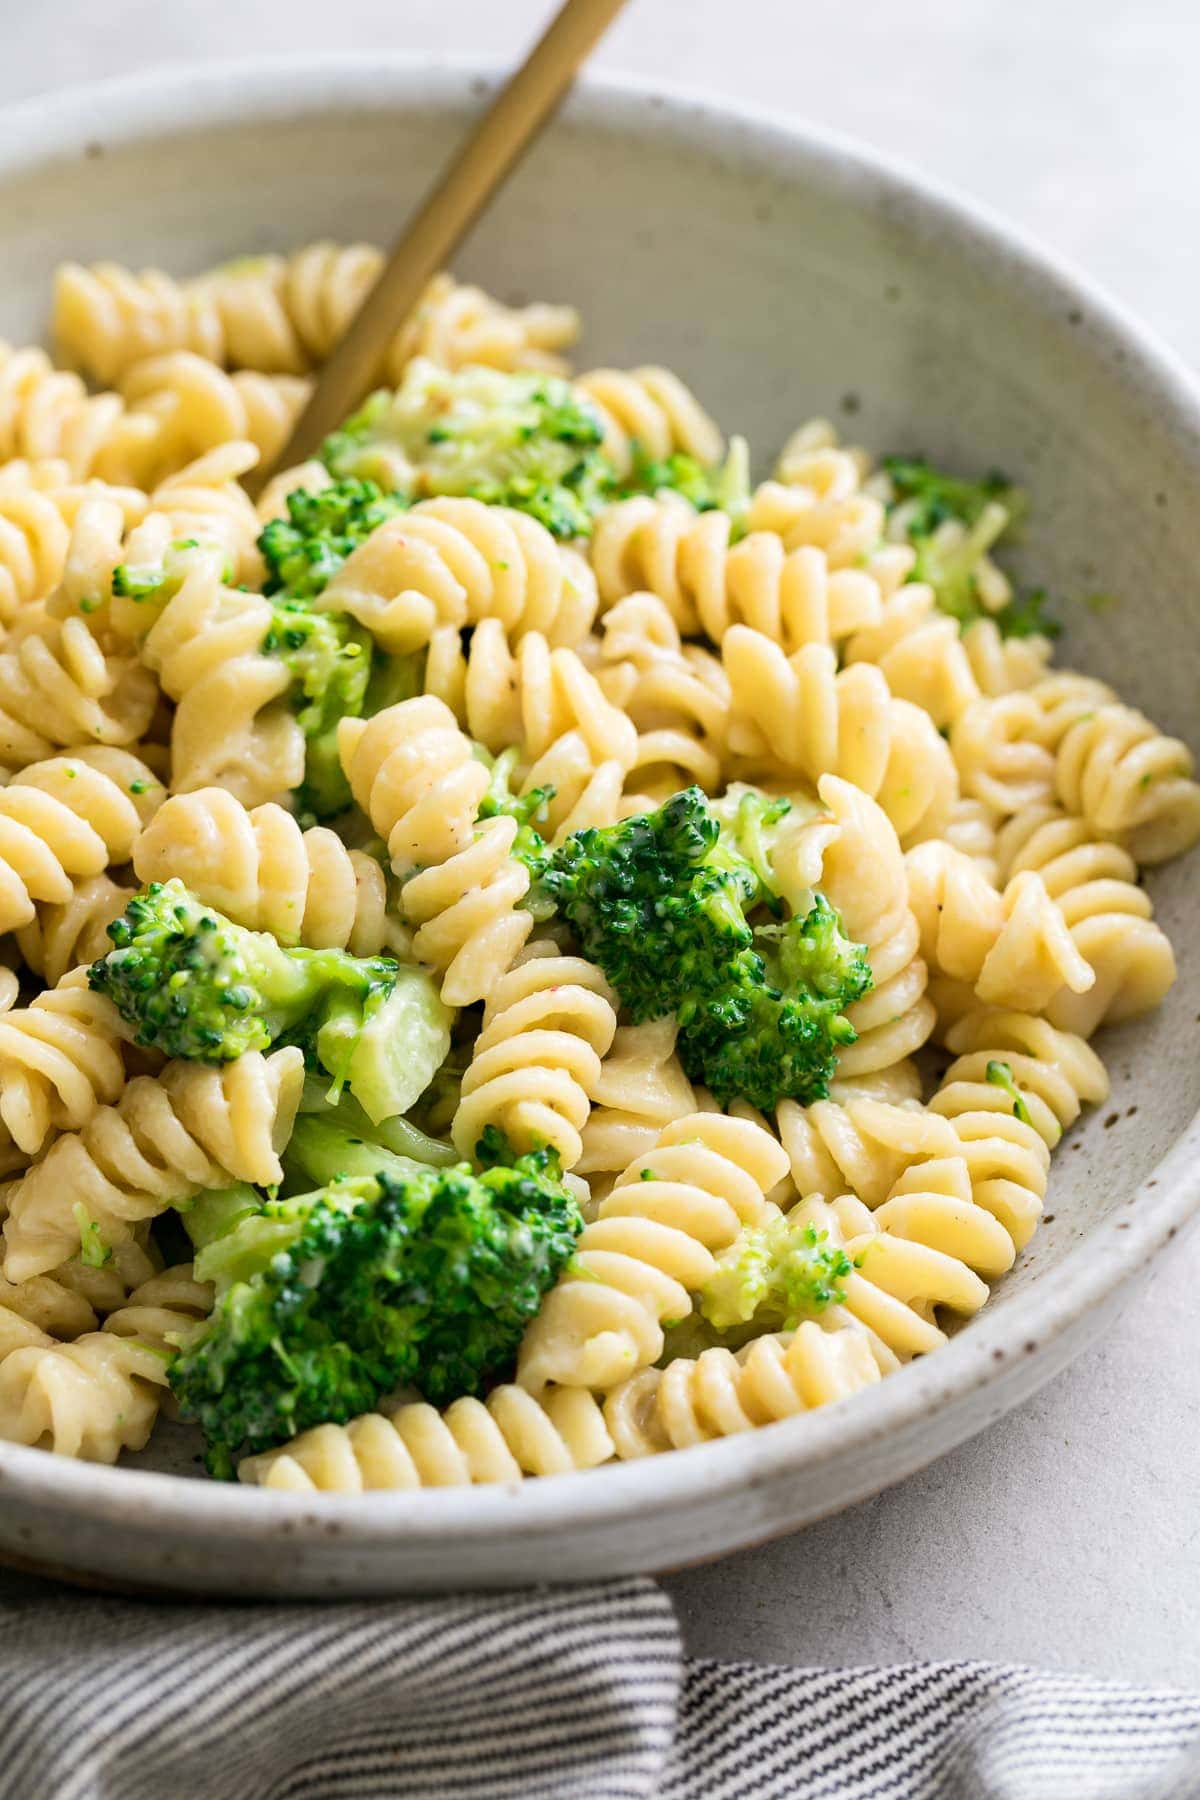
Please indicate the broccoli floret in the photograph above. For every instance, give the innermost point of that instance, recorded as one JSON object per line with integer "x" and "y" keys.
{"x": 773, "y": 1276}
{"x": 661, "y": 903}
{"x": 529, "y": 810}
{"x": 305, "y": 550}
{"x": 197, "y": 986}
{"x": 329, "y": 659}
{"x": 658, "y": 901}
{"x": 930, "y": 497}
{"x": 749, "y": 821}
{"x": 327, "y": 1301}
{"x": 777, "y": 1032}
{"x": 707, "y": 487}
{"x": 325, "y": 793}
{"x": 923, "y": 500}
{"x": 521, "y": 440}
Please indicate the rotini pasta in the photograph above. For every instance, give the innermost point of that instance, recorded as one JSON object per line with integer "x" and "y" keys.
{"x": 1128, "y": 780}
{"x": 848, "y": 804}
{"x": 1109, "y": 917}
{"x": 650, "y": 408}
{"x": 709, "y": 585}
{"x": 511, "y": 1434}
{"x": 721, "y": 1393}
{"x": 525, "y": 694}
{"x": 101, "y": 1394}
{"x": 536, "y": 1063}
{"x": 196, "y": 407}
{"x": 259, "y": 868}
{"x": 166, "y": 1138}
{"x": 640, "y": 1089}
{"x": 46, "y": 412}
{"x": 456, "y": 562}
{"x": 800, "y": 716}
{"x": 280, "y": 314}
{"x": 64, "y": 819}
{"x": 412, "y": 772}
{"x": 1007, "y": 1133}
{"x": 1013, "y": 949}
{"x": 648, "y": 1249}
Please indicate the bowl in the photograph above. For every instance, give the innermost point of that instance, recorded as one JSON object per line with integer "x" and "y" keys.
{"x": 784, "y": 274}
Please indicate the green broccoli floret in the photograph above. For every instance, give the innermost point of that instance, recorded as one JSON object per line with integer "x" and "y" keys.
{"x": 777, "y": 1032}
{"x": 325, "y": 793}
{"x": 529, "y": 810}
{"x": 197, "y": 986}
{"x": 773, "y": 1276}
{"x": 661, "y": 903}
{"x": 521, "y": 440}
{"x": 327, "y": 1301}
{"x": 923, "y": 500}
{"x": 707, "y": 487}
{"x": 329, "y": 659}
{"x": 305, "y": 550}
{"x": 658, "y": 901}
{"x": 749, "y": 822}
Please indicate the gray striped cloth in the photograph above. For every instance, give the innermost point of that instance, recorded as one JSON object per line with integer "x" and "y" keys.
{"x": 572, "y": 1694}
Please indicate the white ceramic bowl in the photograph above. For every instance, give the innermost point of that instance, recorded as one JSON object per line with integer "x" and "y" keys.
{"x": 784, "y": 274}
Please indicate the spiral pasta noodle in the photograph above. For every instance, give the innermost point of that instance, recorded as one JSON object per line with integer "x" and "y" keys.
{"x": 60, "y": 1060}
{"x": 261, "y": 870}
{"x": 39, "y": 503}
{"x": 851, "y": 851}
{"x": 527, "y": 694}
{"x": 59, "y": 689}
{"x": 278, "y": 314}
{"x": 641, "y": 1087}
{"x": 1005, "y": 747}
{"x": 920, "y": 652}
{"x": 195, "y": 406}
{"x": 897, "y": 1285}
{"x": 1013, "y": 949}
{"x": 676, "y": 695}
{"x": 47, "y": 412}
{"x": 73, "y": 1298}
{"x": 862, "y": 1146}
{"x": 648, "y": 1249}
{"x": 456, "y": 562}
{"x": 800, "y": 716}
{"x": 821, "y": 504}
{"x": 709, "y": 585}
{"x": 1094, "y": 882}
{"x": 721, "y": 1393}
{"x": 1126, "y": 778}
{"x": 167, "y": 1137}
{"x": 653, "y": 409}
{"x": 230, "y": 725}
{"x": 412, "y": 772}
{"x": 509, "y": 1435}
{"x": 99, "y": 1395}
{"x": 1007, "y": 1148}
{"x": 65, "y": 819}
{"x": 536, "y": 1063}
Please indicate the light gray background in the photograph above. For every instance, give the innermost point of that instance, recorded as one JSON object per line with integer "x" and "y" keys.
{"x": 1067, "y": 1535}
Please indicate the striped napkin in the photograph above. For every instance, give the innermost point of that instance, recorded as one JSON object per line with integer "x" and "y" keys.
{"x": 571, "y": 1694}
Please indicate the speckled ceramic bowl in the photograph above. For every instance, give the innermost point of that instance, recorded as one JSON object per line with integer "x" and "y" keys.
{"x": 784, "y": 274}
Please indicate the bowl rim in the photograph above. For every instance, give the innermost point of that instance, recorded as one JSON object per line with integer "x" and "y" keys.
{"x": 176, "y": 99}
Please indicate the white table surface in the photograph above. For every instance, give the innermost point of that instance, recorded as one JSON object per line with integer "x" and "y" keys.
{"x": 1067, "y": 1535}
